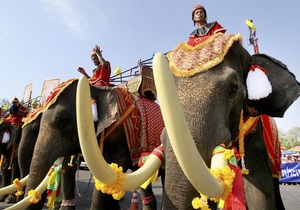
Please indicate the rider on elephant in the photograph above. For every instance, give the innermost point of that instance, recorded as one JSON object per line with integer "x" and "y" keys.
{"x": 16, "y": 113}
{"x": 101, "y": 74}
{"x": 204, "y": 29}
{"x": 14, "y": 118}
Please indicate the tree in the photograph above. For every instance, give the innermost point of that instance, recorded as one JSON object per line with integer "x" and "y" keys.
{"x": 291, "y": 138}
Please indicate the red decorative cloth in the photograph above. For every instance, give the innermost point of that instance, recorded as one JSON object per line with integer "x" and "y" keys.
{"x": 33, "y": 115}
{"x": 132, "y": 123}
{"x": 152, "y": 124}
{"x": 143, "y": 125}
{"x": 236, "y": 199}
{"x": 51, "y": 99}
{"x": 271, "y": 139}
{"x": 272, "y": 143}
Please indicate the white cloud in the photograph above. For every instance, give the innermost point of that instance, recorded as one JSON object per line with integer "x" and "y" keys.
{"x": 69, "y": 15}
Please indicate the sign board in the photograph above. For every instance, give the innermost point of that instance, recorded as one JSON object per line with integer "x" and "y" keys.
{"x": 48, "y": 86}
{"x": 27, "y": 93}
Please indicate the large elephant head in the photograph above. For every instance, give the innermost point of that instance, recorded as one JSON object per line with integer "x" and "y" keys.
{"x": 211, "y": 100}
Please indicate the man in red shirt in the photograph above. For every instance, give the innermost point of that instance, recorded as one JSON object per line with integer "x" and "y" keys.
{"x": 204, "y": 30}
{"x": 101, "y": 74}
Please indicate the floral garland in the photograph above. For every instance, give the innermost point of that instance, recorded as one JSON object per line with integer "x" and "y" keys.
{"x": 36, "y": 197}
{"x": 115, "y": 189}
{"x": 224, "y": 173}
{"x": 241, "y": 144}
{"x": 19, "y": 186}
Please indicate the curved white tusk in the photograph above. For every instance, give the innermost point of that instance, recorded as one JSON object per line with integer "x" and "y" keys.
{"x": 90, "y": 149}
{"x": 86, "y": 133}
{"x": 181, "y": 139}
{"x": 12, "y": 187}
{"x": 40, "y": 189}
{"x": 138, "y": 177}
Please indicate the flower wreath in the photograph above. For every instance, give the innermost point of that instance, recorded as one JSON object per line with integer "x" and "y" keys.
{"x": 115, "y": 189}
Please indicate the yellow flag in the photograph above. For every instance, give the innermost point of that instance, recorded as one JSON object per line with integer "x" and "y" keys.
{"x": 5, "y": 107}
{"x": 118, "y": 70}
{"x": 250, "y": 24}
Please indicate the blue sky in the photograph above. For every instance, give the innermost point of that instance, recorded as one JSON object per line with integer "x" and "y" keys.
{"x": 47, "y": 39}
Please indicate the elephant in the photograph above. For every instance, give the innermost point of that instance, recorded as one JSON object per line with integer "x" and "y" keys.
{"x": 9, "y": 165}
{"x": 58, "y": 137}
{"x": 202, "y": 109}
{"x": 23, "y": 156}
{"x": 30, "y": 133}
{"x": 204, "y": 106}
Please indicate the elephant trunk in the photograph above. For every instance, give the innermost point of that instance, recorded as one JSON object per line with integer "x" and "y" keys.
{"x": 181, "y": 140}
{"x": 45, "y": 153}
{"x": 25, "y": 203}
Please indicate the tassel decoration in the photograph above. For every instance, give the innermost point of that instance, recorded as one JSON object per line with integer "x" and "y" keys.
{"x": 258, "y": 84}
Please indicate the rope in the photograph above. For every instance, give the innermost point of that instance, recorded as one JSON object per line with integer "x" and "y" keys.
{"x": 77, "y": 180}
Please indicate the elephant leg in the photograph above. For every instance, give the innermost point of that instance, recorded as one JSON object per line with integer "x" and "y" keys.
{"x": 101, "y": 201}
{"x": 258, "y": 184}
{"x": 148, "y": 198}
{"x": 6, "y": 176}
{"x": 11, "y": 198}
{"x": 68, "y": 183}
{"x": 279, "y": 202}
{"x": 15, "y": 174}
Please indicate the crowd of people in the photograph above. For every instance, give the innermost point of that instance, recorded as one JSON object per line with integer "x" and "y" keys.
{"x": 290, "y": 158}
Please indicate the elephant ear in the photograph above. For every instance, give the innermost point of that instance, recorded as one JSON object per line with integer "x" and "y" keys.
{"x": 285, "y": 88}
{"x": 107, "y": 104}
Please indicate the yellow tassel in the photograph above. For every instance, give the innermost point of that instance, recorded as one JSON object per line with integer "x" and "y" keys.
{"x": 152, "y": 180}
{"x": 71, "y": 160}
{"x": 1, "y": 162}
{"x": 51, "y": 200}
{"x": 52, "y": 178}
{"x": 221, "y": 204}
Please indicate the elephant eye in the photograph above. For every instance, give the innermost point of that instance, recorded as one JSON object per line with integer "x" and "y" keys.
{"x": 233, "y": 90}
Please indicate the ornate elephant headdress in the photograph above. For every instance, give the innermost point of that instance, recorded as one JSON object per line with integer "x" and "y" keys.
{"x": 185, "y": 60}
